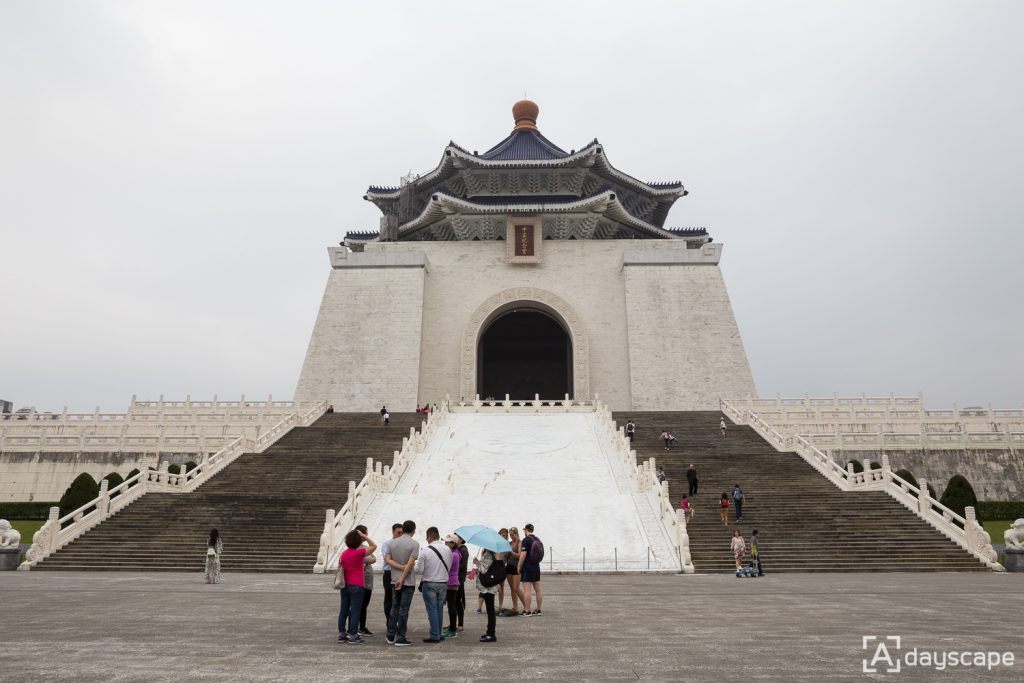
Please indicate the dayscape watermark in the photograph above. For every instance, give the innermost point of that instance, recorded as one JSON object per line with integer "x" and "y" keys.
{"x": 887, "y": 656}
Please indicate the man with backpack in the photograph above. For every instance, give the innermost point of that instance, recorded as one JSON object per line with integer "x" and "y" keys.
{"x": 737, "y": 499}
{"x": 529, "y": 569}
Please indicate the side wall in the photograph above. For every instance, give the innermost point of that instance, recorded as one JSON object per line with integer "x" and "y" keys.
{"x": 25, "y": 477}
{"x": 685, "y": 350}
{"x": 365, "y": 346}
{"x": 994, "y": 475}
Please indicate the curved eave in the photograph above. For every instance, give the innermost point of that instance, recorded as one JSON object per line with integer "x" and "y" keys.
{"x": 591, "y": 155}
{"x": 442, "y": 205}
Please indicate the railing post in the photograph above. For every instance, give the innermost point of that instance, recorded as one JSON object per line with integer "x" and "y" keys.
{"x": 103, "y": 506}
{"x": 924, "y": 504}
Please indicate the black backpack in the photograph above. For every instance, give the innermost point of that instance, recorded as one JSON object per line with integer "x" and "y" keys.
{"x": 494, "y": 575}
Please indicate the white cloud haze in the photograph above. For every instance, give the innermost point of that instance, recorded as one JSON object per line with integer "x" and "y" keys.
{"x": 171, "y": 174}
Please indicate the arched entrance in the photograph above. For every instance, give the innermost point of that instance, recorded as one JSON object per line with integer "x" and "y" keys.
{"x": 523, "y": 352}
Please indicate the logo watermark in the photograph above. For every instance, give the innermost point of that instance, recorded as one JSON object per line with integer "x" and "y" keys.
{"x": 886, "y": 655}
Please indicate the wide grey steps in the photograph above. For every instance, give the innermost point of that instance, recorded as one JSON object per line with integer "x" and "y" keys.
{"x": 269, "y": 507}
{"x": 804, "y": 522}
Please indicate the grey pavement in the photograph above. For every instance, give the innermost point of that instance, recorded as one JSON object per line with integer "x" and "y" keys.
{"x": 793, "y": 627}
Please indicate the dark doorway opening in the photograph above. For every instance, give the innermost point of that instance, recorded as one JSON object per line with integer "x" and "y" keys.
{"x": 524, "y": 352}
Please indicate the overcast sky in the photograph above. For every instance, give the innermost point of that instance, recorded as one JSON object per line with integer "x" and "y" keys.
{"x": 171, "y": 174}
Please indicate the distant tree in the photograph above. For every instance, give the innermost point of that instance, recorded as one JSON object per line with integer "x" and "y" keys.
{"x": 114, "y": 479}
{"x": 857, "y": 466}
{"x": 83, "y": 489}
{"x": 959, "y": 494}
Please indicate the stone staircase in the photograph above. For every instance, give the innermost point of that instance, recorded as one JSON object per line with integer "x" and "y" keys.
{"x": 268, "y": 507}
{"x": 804, "y": 523}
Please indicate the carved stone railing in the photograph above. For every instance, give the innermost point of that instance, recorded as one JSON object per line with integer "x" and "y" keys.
{"x": 893, "y": 423}
{"x": 58, "y": 531}
{"x": 378, "y": 478}
{"x": 964, "y": 530}
{"x": 645, "y": 479}
{"x": 534, "y": 405}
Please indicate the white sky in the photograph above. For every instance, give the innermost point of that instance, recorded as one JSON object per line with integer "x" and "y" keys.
{"x": 171, "y": 174}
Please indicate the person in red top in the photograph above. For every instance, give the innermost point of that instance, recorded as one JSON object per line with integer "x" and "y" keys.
{"x": 725, "y": 509}
{"x": 351, "y": 564}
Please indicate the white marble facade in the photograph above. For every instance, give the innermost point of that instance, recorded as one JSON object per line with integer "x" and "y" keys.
{"x": 650, "y": 322}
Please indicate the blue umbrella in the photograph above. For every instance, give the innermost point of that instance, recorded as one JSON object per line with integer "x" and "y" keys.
{"x": 483, "y": 536}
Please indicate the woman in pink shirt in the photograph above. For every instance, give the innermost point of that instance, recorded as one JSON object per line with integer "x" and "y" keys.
{"x": 452, "y": 594}
{"x": 351, "y": 564}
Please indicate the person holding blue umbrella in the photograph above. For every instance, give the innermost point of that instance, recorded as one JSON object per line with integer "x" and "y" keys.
{"x": 492, "y": 555}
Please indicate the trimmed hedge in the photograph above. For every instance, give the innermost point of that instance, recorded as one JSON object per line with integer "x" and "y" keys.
{"x": 174, "y": 469}
{"x": 999, "y": 509}
{"x": 33, "y": 510}
{"x": 959, "y": 494}
{"x": 114, "y": 479}
{"x": 83, "y": 489}
{"x": 857, "y": 466}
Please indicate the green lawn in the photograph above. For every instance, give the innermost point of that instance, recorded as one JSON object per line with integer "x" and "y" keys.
{"x": 996, "y": 528}
{"x": 27, "y": 527}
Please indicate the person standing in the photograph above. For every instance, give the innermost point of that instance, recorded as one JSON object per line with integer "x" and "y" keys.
{"x": 214, "y": 547}
{"x": 755, "y": 553}
{"x": 692, "y": 480}
{"x": 434, "y": 564}
{"x": 351, "y": 563}
{"x": 483, "y": 563}
{"x": 389, "y": 587}
{"x": 660, "y": 474}
{"x": 387, "y": 418}
{"x": 367, "y": 585}
{"x": 529, "y": 571}
{"x": 739, "y": 548}
{"x": 383, "y": 412}
{"x": 512, "y": 572}
{"x": 737, "y": 500}
{"x": 630, "y": 430}
{"x": 451, "y": 597}
{"x": 463, "y": 571}
{"x": 722, "y": 427}
{"x": 725, "y": 509}
{"x": 402, "y": 557}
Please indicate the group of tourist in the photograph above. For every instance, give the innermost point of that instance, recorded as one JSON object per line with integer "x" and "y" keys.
{"x": 739, "y": 551}
{"x": 444, "y": 567}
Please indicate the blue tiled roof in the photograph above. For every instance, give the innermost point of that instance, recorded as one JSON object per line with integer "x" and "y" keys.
{"x": 523, "y": 145}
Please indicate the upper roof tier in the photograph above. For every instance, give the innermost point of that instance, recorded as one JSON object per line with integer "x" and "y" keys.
{"x": 526, "y": 173}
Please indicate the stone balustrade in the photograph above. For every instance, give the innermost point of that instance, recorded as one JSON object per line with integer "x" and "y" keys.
{"x": 964, "y": 530}
{"x": 58, "y": 531}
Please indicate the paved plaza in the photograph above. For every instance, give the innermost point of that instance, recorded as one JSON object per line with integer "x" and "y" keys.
{"x": 807, "y": 627}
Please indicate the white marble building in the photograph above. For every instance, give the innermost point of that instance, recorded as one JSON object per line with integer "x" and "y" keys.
{"x": 526, "y": 270}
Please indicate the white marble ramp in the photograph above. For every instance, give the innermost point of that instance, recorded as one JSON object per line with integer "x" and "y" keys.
{"x": 553, "y": 470}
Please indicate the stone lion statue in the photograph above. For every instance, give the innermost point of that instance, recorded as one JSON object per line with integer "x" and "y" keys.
{"x": 1014, "y": 536}
{"x": 9, "y": 537}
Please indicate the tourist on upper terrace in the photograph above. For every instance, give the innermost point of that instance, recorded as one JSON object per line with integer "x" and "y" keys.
{"x": 383, "y": 412}
{"x": 352, "y": 564}
{"x": 389, "y": 588}
{"x": 512, "y": 574}
{"x": 451, "y": 597}
{"x": 739, "y": 548}
{"x": 722, "y": 427}
{"x": 387, "y": 418}
{"x": 725, "y": 508}
{"x": 434, "y": 563}
{"x": 692, "y": 480}
{"x": 367, "y": 586}
{"x": 630, "y": 430}
{"x": 667, "y": 437}
{"x": 529, "y": 570}
{"x": 737, "y": 500}
{"x": 402, "y": 557}
{"x": 213, "y": 551}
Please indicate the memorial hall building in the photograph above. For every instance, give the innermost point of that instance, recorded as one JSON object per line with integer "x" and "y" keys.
{"x": 525, "y": 271}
